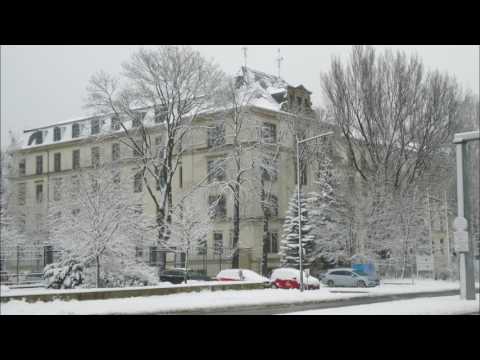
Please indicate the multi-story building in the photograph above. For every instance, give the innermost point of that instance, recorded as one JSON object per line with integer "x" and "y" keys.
{"x": 50, "y": 155}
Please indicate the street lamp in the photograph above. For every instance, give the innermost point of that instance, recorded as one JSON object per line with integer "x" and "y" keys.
{"x": 300, "y": 249}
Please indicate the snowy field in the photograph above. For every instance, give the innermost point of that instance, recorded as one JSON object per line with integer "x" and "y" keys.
{"x": 443, "y": 305}
{"x": 207, "y": 299}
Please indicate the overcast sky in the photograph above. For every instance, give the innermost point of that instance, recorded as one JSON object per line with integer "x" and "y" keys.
{"x": 45, "y": 84}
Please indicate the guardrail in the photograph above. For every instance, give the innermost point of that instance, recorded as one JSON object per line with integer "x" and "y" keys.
{"x": 115, "y": 293}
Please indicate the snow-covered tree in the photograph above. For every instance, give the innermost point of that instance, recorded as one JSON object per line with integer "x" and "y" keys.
{"x": 190, "y": 226}
{"x": 97, "y": 221}
{"x": 179, "y": 84}
{"x": 327, "y": 214}
{"x": 289, "y": 244}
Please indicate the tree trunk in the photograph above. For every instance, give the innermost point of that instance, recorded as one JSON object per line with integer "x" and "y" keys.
{"x": 98, "y": 271}
{"x": 236, "y": 226}
{"x": 265, "y": 232}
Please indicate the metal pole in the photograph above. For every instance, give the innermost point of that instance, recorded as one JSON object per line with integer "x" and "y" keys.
{"x": 447, "y": 229}
{"x": 18, "y": 264}
{"x": 467, "y": 281}
{"x": 300, "y": 247}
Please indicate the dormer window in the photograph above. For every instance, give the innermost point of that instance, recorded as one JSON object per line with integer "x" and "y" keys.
{"x": 75, "y": 130}
{"x": 160, "y": 114}
{"x": 57, "y": 134}
{"x": 95, "y": 126}
{"x": 137, "y": 119}
{"x": 115, "y": 123}
{"x": 36, "y": 137}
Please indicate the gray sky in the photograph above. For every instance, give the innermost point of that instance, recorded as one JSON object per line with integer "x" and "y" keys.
{"x": 45, "y": 84}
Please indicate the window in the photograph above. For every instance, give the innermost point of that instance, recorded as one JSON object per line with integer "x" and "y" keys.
{"x": 36, "y": 137}
{"x": 158, "y": 141}
{"x": 138, "y": 252}
{"x": 115, "y": 152}
{"x": 160, "y": 114}
{"x": 95, "y": 126}
{"x": 39, "y": 165}
{"x": 115, "y": 123}
{"x": 216, "y": 135}
{"x": 161, "y": 174}
{"x": 95, "y": 156}
{"x": 75, "y": 159}
{"x": 57, "y": 134}
{"x": 57, "y": 186}
{"x": 137, "y": 119}
{"x": 21, "y": 167}
{"x": 22, "y": 192}
{"x": 218, "y": 204}
{"x": 137, "y": 182}
{"x": 57, "y": 162}
{"x": 271, "y": 208}
{"x": 218, "y": 243}
{"x": 75, "y": 130}
{"x": 272, "y": 243}
{"x": 269, "y": 133}
{"x": 39, "y": 193}
{"x": 269, "y": 170}
{"x": 442, "y": 250}
{"x": 216, "y": 170}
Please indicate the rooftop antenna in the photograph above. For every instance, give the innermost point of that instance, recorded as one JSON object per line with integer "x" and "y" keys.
{"x": 244, "y": 50}
{"x": 279, "y": 61}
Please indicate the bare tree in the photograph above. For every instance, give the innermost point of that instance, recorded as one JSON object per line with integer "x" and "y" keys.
{"x": 235, "y": 135}
{"x": 394, "y": 117}
{"x": 179, "y": 84}
{"x": 94, "y": 219}
{"x": 190, "y": 225}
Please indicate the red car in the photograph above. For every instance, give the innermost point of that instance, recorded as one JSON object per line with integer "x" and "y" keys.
{"x": 288, "y": 278}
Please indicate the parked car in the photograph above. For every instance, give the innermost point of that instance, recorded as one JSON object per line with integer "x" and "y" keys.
{"x": 241, "y": 275}
{"x": 349, "y": 278}
{"x": 289, "y": 278}
{"x": 177, "y": 276}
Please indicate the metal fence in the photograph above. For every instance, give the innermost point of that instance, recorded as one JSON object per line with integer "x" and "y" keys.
{"x": 23, "y": 264}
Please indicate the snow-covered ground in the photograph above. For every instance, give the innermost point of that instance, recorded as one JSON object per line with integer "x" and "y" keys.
{"x": 207, "y": 299}
{"x": 442, "y": 305}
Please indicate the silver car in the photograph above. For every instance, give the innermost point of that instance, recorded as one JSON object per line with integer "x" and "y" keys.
{"x": 348, "y": 278}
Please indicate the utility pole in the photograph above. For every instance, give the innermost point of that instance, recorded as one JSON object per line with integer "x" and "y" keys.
{"x": 463, "y": 224}
{"x": 447, "y": 229}
{"x": 432, "y": 247}
{"x": 300, "y": 245}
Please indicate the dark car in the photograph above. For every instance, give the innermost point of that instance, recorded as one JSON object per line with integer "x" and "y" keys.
{"x": 177, "y": 276}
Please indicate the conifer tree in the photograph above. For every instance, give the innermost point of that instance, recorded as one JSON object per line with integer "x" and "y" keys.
{"x": 289, "y": 245}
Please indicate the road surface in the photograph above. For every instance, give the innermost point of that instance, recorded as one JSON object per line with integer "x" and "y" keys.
{"x": 289, "y": 308}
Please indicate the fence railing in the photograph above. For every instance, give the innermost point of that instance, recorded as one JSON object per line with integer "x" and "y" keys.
{"x": 23, "y": 264}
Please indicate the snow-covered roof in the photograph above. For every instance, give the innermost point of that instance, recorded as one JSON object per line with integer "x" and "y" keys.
{"x": 269, "y": 92}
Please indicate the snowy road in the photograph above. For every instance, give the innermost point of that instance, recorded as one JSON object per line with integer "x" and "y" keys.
{"x": 332, "y": 307}
{"x": 441, "y": 305}
{"x": 266, "y": 301}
